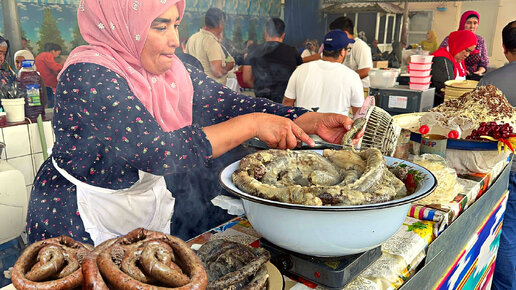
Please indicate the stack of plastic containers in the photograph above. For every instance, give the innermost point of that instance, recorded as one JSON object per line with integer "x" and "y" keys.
{"x": 419, "y": 70}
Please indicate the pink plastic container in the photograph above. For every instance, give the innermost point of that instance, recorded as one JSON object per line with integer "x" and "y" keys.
{"x": 418, "y": 58}
{"x": 420, "y": 66}
{"x": 420, "y": 80}
{"x": 419, "y": 73}
{"x": 419, "y": 87}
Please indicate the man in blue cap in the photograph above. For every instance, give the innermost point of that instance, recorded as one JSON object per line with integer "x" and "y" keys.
{"x": 326, "y": 84}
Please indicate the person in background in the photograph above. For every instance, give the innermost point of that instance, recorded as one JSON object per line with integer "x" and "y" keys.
{"x": 311, "y": 47}
{"x": 394, "y": 57}
{"x": 477, "y": 62}
{"x": 376, "y": 53}
{"x": 430, "y": 43}
{"x": 187, "y": 58}
{"x": 327, "y": 84}
{"x": 448, "y": 62}
{"x": 504, "y": 276}
{"x": 20, "y": 56}
{"x": 128, "y": 113}
{"x": 24, "y": 43}
{"x": 359, "y": 59}
{"x": 206, "y": 47}
{"x": 269, "y": 66}
{"x": 362, "y": 35}
{"x": 7, "y": 75}
{"x": 48, "y": 69}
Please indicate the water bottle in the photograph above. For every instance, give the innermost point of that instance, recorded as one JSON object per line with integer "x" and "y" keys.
{"x": 419, "y": 50}
{"x": 29, "y": 87}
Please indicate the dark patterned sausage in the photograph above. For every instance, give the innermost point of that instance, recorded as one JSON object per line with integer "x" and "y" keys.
{"x": 232, "y": 265}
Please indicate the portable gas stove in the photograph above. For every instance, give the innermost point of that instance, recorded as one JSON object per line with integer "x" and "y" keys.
{"x": 330, "y": 272}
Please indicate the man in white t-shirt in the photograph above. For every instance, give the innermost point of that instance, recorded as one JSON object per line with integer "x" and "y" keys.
{"x": 360, "y": 59}
{"x": 327, "y": 84}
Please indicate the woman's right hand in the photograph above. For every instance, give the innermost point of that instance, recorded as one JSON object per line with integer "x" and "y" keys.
{"x": 275, "y": 131}
{"x": 278, "y": 132}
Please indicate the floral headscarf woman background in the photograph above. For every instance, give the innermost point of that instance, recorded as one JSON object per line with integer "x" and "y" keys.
{"x": 478, "y": 61}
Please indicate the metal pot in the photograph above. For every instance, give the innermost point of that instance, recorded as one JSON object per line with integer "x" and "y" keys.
{"x": 328, "y": 231}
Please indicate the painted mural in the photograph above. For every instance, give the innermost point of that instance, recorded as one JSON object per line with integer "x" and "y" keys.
{"x": 56, "y": 20}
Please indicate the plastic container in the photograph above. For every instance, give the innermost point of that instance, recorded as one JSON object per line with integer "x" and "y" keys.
{"x": 419, "y": 73}
{"x": 420, "y": 66}
{"x": 418, "y": 86}
{"x": 383, "y": 78}
{"x": 15, "y": 109}
{"x": 418, "y": 58}
{"x": 420, "y": 80}
{"x": 3, "y": 122}
{"x": 29, "y": 86}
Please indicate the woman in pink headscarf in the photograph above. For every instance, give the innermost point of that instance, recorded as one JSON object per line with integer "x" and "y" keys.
{"x": 477, "y": 62}
{"x": 128, "y": 112}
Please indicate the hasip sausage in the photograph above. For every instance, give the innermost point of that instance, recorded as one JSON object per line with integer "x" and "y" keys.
{"x": 50, "y": 264}
{"x": 144, "y": 259}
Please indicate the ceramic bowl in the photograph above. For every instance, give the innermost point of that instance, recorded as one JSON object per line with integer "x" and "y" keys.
{"x": 328, "y": 231}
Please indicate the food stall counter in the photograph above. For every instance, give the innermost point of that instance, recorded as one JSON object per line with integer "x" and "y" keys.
{"x": 419, "y": 245}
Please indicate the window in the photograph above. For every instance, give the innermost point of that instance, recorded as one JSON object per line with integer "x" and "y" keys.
{"x": 419, "y": 24}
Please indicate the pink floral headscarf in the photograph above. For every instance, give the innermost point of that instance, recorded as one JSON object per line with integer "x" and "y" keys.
{"x": 116, "y": 31}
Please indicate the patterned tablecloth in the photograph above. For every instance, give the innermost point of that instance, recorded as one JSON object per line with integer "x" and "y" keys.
{"x": 401, "y": 254}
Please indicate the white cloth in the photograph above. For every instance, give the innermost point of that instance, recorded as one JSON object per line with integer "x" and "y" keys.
{"x": 330, "y": 86}
{"x": 232, "y": 83}
{"x": 108, "y": 213}
{"x": 360, "y": 58}
{"x": 458, "y": 77}
{"x": 306, "y": 53}
{"x": 233, "y": 205}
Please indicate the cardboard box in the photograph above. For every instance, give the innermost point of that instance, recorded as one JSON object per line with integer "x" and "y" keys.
{"x": 381, "y": 64}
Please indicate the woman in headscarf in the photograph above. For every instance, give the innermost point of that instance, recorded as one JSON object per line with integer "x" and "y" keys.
{"x": 311, "y": 47}
{"x": 448, "y": 62}
{"x": 20, "y": 56}
{"x": 430, "y": 43}
{"x": 477, "y": 62}
{"x": 128, "y": 112}
{"x": 7, "y": 75}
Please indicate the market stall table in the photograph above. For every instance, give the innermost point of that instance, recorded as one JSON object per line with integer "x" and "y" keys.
{"x": 462, "y": 254}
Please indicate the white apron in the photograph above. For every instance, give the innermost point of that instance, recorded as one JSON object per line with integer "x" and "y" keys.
{"x": 108, "y": 213}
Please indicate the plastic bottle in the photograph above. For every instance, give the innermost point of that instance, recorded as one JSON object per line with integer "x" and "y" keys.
{"x": 29, "y": 86}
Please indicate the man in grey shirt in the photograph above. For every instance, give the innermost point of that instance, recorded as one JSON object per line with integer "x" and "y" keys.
{"x": 504, "y": 78}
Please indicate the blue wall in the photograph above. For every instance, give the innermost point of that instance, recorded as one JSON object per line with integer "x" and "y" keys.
{"x": 303, "y": 21}
{"x": 242, "y": 15}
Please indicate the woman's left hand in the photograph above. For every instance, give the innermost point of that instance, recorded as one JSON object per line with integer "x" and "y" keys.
{"x": 480, "y": 71}
{"x": 329, "y": 126}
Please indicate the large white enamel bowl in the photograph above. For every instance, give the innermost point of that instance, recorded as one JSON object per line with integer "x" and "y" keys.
{"x": 328, "y": 231}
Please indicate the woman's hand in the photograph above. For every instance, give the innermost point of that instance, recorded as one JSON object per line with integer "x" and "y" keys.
{"x": 279, "y": 132}
{"x": 480, "y": 71}
{"x": 275, "y": 131}
{"x": 330, "y": 127}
